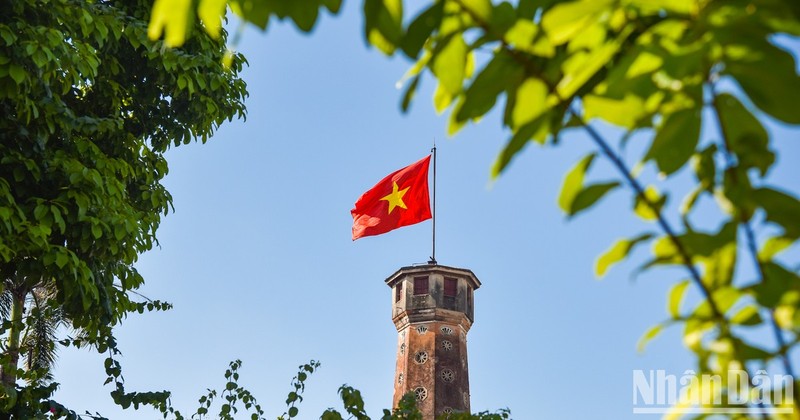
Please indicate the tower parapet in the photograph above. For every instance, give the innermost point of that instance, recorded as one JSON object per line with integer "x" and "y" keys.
{"x": 432, "y": 308}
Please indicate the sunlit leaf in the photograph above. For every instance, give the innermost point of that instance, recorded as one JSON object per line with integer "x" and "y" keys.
{"x": 441, "y": 99}
{"x": 655, "y": 6}
{"x": 573, "y": 183}
{"x": 650, "y": 205}
{"x": 644, "y": 63}
{"x": 648, "y": 336}
{"x": 618, "y": 252}
{"x": 171, "y": 17}
{"x": 529, "y": 101}
{"x": 624, "y": 112}
{"x": 589, "y": 195}
{"x": 449, "y": 64}
{"x": 580, "y": 68}
{"x": 676, "y": 297}
{"x": 747, "y": 316}
{"x": 773, "y": 246}
{"x": 210, "y": 13}
{"x": 481, "y": 9}
{"x": 525, "y": 35}
{"x": 565, "y": 20}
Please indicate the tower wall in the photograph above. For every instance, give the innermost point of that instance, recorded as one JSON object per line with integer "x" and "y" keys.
{"x": 432, "y": 326}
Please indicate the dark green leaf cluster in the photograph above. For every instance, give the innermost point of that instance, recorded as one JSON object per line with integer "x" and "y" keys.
{"x": 90, "y": 104}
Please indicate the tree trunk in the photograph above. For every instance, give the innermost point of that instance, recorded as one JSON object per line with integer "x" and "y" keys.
{"x": 8, "y": 372}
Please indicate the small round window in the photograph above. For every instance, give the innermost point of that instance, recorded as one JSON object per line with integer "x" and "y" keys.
{"x": 421, "y": 357}
{"x": 400, "y": 379}
{"x": 447, "y": 375}
{"x": 421, "y": 393}
{"x": 422, "y": 329}
{"x": 447, "y": 331}
{"x": 447, "y": 345}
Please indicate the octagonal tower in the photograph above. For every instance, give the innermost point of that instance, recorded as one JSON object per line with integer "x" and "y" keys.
{"x": 433, "y": 311}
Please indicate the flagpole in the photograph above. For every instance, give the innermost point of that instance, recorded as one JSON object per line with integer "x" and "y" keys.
{"x": 433, "y": 254}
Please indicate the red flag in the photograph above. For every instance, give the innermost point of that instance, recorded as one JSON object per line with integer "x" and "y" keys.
{"x": 400, "y": 199}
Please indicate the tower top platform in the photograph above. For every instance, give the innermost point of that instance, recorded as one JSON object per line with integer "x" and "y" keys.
{"x": 444, "y": 270}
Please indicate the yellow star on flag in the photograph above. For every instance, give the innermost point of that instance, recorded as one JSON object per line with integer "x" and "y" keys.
{"x": 395, "y": 199}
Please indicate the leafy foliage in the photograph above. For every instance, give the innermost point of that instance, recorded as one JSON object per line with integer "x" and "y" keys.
{"x": 661, "y": 69}
{"x": 90, "y": 104}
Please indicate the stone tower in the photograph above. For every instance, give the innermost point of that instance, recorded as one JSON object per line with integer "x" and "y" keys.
{"x": 432, "y": 308}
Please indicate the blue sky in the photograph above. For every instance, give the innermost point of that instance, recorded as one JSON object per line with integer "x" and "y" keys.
{"x": 258, "y": 261}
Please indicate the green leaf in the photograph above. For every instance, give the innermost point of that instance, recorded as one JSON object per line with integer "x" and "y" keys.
{"x": 646, "y": 211}
{"x": 17, "y": 73}
{"x": 656, "y": 6}
{"x": 589, "y": 195}
{"x": 573, "y": 183}
{"x": 705, "y": 169}
{"x": 726, "y": 297}
{"x": 303, "y": 14}
{"x": 62, "y": 259}
{"x": 449, "y": 64}
{"x": 171, "y": 17}
{"x": 442, "y": 99}
{"x": 773, "y": 246}
{"x": 97, "y": 232}
{"x": 529, "y": 102}
{"x": 580, "y": 68}
{"x": 645, "y": 62}
{"x": 252, "y": 11}
{"x": 769, "y": 77}
{"x": 624, "y": 112}
{"x": 536, "y": 129}
{"x": 565, "y": 20}
{"x": 648, "y": 336}
{"x": 780, "y": 208}
{"x": 747, "y": 352}
{"x": 408, "y": 96}
{"x": 383, "y": 23}
{"x": 675, "y": 298}
{"x": 210, "y": 13}
{"x": 481, "y": 9}
{"x": 503, "y": 71}
{"x": 618, "y": 252}
{"x": 747, "y": 316}
{"x": 777, "y": 281}
{"x": 421, "y": 28}
{"x": 675, "y": 140}
{"x": 746, "y": 138}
